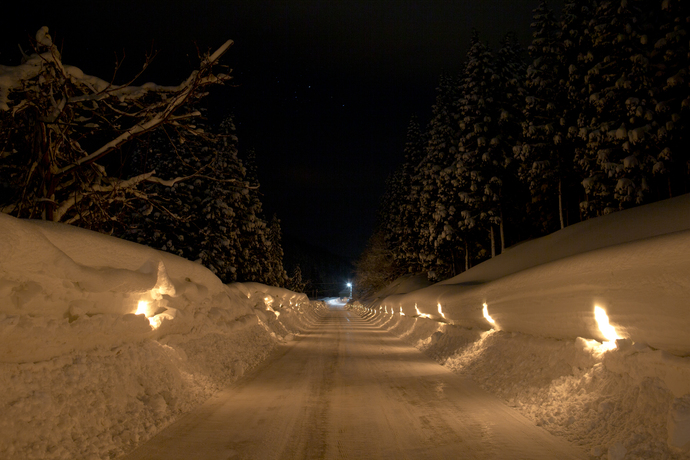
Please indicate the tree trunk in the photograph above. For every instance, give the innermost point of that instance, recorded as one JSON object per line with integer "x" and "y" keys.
{"x": 503, "y": 235}
{"x": 452, "y": 252}
{"x": 560, "y": 202}
{"x": 467, "y": 256}
{"x": 493, "y": 241}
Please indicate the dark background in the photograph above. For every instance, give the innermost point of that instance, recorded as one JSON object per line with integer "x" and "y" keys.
{"x": 323, "y": 89}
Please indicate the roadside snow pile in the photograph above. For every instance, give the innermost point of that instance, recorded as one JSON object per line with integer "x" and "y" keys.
{"x": 104, "y": 342}
{"x": 543, "y": 354}
{"x": 639, "y": 278}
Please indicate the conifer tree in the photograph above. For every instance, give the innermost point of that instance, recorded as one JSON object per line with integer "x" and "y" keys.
{"x": 670, "y": 63}
{"x": 295, "y": 282}
{"x": 401, "y": 203}
{"x": 439, "y": 154}
{"x": 620, "y": 117}
{"x": 574, "y": 37}
{"x": 252, "y": 264}
{"x": 276, "y": 275}
{"x": 479, "y": 163}
{"x": 196, "y": 218}
{"x": 545, "y": 156}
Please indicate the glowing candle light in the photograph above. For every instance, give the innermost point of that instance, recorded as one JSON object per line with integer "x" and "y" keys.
{"x": 486, "y": 314}
{"x": 606, "y": 329}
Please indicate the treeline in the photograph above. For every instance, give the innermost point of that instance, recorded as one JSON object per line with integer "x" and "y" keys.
{"x": 593, "y": 120}
{"x": 206, "y": 207}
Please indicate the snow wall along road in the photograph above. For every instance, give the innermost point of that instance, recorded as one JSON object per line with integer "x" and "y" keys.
{"x": 104, "y": 342}
{"x": 543, "y": 353}
{"x": 634, "y": 264}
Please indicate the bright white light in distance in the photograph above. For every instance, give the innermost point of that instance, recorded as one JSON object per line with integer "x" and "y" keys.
{"x": 606, "y": 329}
{"x": 486, "y": 314}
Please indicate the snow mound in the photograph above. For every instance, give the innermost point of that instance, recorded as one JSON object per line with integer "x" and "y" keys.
{"x": 104, "y": 342}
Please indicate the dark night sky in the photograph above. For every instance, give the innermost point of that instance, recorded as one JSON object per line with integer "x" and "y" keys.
{"x": 325, "y": 88}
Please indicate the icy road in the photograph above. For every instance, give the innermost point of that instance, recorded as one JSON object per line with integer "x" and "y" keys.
{"x": 349, "y": 390}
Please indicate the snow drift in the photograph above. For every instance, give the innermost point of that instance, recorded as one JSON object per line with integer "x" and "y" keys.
{"x": 543, "y": 354}
{"x": 103, "y": 342}
{"x": 633, "y": 263}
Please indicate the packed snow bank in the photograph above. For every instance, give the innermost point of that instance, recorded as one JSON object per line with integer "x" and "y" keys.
{"x": 635, "y": 267}
{"x": 631, "y": 402}
{"x": 627, "y": 401}
{"x": 103, "y": 342}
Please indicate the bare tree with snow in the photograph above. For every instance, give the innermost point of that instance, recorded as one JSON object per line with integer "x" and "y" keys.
{"x": 59, "y": 127}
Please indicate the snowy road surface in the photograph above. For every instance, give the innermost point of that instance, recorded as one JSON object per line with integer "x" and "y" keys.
{"x": 349, "y": 390}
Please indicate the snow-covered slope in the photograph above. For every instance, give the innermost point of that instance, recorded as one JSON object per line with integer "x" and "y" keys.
{"x": 103, "y": 342}
{"x": 633, "y": 263}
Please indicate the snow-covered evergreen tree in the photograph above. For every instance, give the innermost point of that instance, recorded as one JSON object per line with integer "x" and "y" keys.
{"x": 479, "y": 163}
{"x": 276, "y": 275}
{"x": 546, "y": 153}
{"x": 620, "y": 115}
{"x": 670, "y": 64}
{"x": 295, "y": 282}
{"x": 440, "y": 152}
{"x": 197, "y": 218}
{"x": 399, "y": 209}
{"x": 254, "y": 233}
{"x": 374, "y": 268}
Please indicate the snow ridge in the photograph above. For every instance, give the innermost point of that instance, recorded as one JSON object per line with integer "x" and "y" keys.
{"x": 104, "y": 342}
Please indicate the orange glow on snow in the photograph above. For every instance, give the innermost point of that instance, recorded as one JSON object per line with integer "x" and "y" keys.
{"x": 142, "y": 307}
{"x": 420, "y": 314}
{"x": 606, "y": 329}
{"x": 486, "y": 314}
{"x": 440, "y": 311}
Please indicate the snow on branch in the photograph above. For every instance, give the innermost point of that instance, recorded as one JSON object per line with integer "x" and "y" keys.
{"x": 55, "y": 116}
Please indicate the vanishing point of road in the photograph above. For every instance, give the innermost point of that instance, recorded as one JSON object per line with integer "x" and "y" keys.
{"x": 347, "y": 389}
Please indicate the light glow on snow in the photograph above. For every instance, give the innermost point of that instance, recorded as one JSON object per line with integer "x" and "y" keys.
{"x": 440, "y": 311}
{"x": 144, "y": 308}
{"x": 420, "y": 314}
{"x": 486, "y": 314}
{"x": 401, "y": 312}
{"x": 606, "y": 329}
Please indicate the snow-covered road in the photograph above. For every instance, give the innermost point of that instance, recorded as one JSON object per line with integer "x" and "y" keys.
{"x": 347, "y": 389}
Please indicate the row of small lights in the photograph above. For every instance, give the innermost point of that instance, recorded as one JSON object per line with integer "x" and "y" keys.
{"x": 600, "y": 316}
